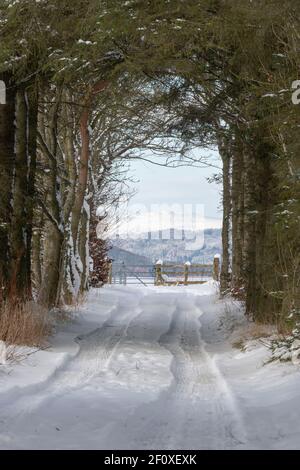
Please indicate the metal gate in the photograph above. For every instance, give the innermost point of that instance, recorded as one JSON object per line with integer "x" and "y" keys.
{"x": 122, "y": 273}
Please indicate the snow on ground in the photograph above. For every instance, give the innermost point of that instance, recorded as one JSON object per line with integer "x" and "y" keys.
{"x": 150, "y": 368}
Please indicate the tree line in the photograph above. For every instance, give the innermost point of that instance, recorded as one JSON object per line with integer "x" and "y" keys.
{"x": 91, "y": 85}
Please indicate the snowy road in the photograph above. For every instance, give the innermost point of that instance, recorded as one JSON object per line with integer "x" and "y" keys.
{"x": 142, "y": 373}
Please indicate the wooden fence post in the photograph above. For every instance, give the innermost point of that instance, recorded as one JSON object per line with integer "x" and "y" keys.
{"x": 186, "y": 273}
{"x": 158, "y": 273}
{"x": 216, "y": 268}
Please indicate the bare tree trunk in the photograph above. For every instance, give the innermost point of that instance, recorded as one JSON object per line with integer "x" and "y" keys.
{"x": 224, "y": 149}
{"x": 83, "y": 173}
{"x": 7, "y": 137}
{"x": 237, "y": 214}
{"x": 67, "y": 291}
{"x": 23, "y": 195}
{"x": 37, "y": 258}
{"x": 54, "y": 231}
{"x": 80, "y": 242}
{"x": 84, "y": 248}
{"x": 250, "y": 212}
{"x": 262, "y": 304}
{"x": 32, "y": 154}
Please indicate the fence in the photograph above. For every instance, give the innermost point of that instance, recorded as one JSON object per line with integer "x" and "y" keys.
{"x": 186, "y": 274}
{"x": 165, "y": 274}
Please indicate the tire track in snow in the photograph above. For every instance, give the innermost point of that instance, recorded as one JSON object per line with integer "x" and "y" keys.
{"x": 95, "y": 351}
{"x": 98, "y": 346}
{"x": 140, "y": 344}
{"x": 197, "y": 411}
{"x": 192, "y": 409}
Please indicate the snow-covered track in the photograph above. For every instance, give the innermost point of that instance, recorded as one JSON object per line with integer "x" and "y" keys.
{"x": 141, "y": 368}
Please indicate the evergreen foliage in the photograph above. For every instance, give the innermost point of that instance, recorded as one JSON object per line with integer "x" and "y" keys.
{"x": 92, "y": 84}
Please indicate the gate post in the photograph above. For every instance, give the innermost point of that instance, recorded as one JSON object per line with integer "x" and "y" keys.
{"x": 186, "y": 272}
{"x": 158, "y": 273}
{"x": 216, "y": 268}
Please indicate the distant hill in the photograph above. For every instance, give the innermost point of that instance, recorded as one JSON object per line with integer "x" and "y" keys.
{"x": 120, "y": 255}
{"x": 146, "y": 251}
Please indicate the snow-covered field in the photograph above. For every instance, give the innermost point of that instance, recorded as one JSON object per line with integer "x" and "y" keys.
{"x": 150, "y": 368}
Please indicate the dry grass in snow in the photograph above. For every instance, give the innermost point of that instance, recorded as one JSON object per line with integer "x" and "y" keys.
{"x": 26, "y": 324}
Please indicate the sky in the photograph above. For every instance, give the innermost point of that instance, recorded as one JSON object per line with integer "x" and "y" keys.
{"x": 171, "y": 198}
{"x": 157, "y": 186}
